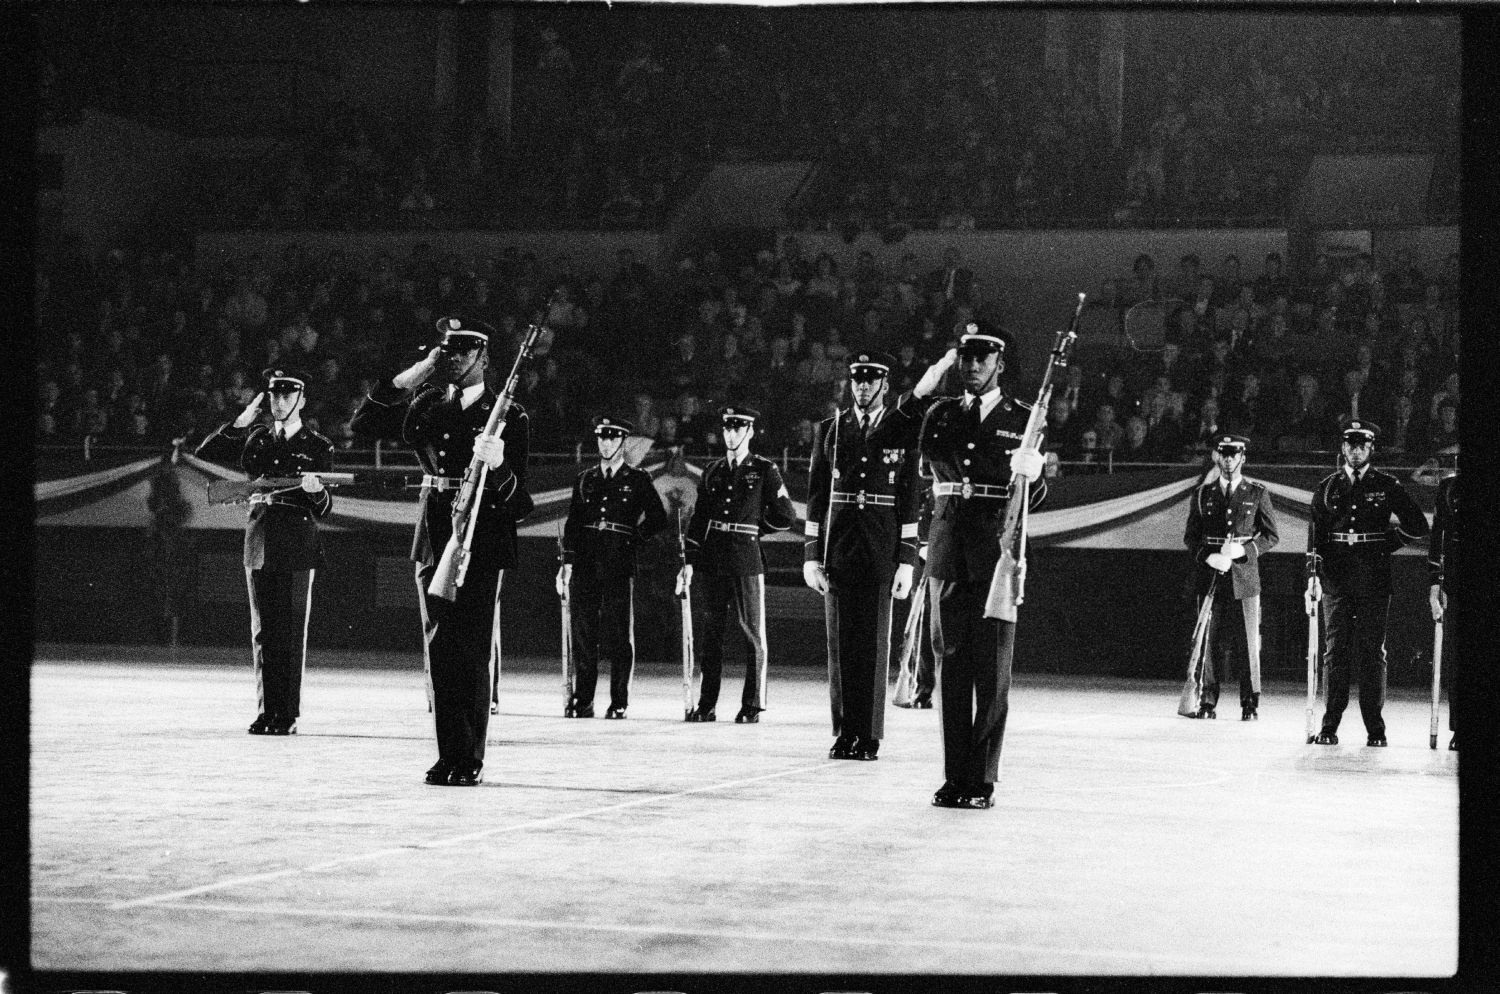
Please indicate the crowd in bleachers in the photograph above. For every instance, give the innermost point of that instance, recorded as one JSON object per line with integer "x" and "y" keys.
{"x": 142, "y": 349}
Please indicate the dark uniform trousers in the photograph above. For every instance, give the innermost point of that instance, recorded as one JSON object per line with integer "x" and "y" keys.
{"x": 608, "y": 517}
{"x": 974, "y": 654}
{"x": 1356, "y": 579}
{"x": 281, "y": 554}
{"x": 729, "y": 571}
{"x": 856, "y": 681}
{"x": 461, "y": 638}
{"x": 746, "y": 595}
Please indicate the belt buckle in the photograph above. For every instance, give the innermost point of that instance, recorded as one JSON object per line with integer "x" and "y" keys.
{"x": 859, "y": 500}
{"x": 967, "y": 490}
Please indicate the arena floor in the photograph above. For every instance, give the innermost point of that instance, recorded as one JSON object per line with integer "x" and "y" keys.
{"x": 1125, "y": 840}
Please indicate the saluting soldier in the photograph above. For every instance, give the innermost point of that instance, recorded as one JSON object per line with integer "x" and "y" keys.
{"x": 1349, "y": 544}
{"x": 615, "y": 508}
{"x": 741, "y": 497}
{"x": 861, "y": 546}
{"x": 282, "y": 547}
{"x": 439, "y": 406}
{"x": 972, "y": 445}
{"x": 1442, "y": 567}
{"x": 1230, "y": 525}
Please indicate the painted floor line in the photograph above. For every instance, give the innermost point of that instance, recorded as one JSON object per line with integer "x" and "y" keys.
{"x": 455, "y": 840}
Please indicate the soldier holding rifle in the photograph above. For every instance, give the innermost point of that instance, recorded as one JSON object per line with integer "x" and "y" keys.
{"x": 740, "y": 497}
{"x": 1442, "y": 567}
{"x": 440, "y": 406}
{"x": 282, "y": 547}
{"x": 1349, "y": 544}
{"x": 615, "y": 507}
{"x": 973, "y": 445}
{"x": 861, "y": 546}
{"x": 1230, "y": 525}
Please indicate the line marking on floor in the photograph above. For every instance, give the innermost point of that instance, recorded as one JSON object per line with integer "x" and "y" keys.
{"x": 457, "y": 839}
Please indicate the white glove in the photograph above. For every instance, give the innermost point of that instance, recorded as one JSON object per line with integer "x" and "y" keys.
{"x": 1313, "y": 594}
{"x": 928, "y": 384}
{"x": 814, "y": 576}
{"x": 684, "y": 580}
{"x": 564, "y": 577}
{"x": 414, "y": 375}
{"x": 311, "y": 483}
{"x": 1028, "y": 463}
{"x": 1219, "y": 561}
{"x": 901, "y": 586}
{"x": 1438, "y": 601}
{"x": 491, "y": 449}
{"x": 248, "y": 415}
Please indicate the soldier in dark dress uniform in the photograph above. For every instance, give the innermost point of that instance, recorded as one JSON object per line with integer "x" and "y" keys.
{"x": 615, "y": 508}
{"x": 282, "y": 547}
{"x": 1349, "y": 544}
{"x": 1230, "y": 525}
{"x": 741, "y": 497}
{"x": 1442, "y": 567}
{"x": 861, "y": 546}
{"x": 972, "y": 445}
{"x": 439, "y": 406}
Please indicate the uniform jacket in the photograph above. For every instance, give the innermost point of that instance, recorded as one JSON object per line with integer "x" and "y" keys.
{"x": 442, "y": 433}
{"x": 1340, "y": 505}
{"x": 1247, "y": 516}
{"x": 282, "y": 535}
{"x": 629, "y": 499}
{"x": 964, "y": 540}
{"x": 863, "y": 543}
{"x": 752, "y": 494}
{"x": 1442, "y": 549}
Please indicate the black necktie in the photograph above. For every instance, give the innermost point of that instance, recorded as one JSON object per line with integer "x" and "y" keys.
{"x": 280, "y": 435}
{"x": 974, "y": 408}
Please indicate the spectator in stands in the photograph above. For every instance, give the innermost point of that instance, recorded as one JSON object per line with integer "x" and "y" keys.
{"x": 1063, "y": 436}
{"x": 1304, "y": 419}
{"x": 1272, "y": 281}
{"x": 1246, "y": 411}
{"x": 246, "y": 308}
{"x": 1402, "y": 435}
{"x": 1447, "y": 393}
{"x": 1188, "y": 282}
{"x": 1444, "y": 431}
{"x": 1107, "y": 431}
{"x": 693, "y": 425}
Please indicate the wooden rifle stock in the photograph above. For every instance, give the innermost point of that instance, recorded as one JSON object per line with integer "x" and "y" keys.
{"x": 239, "y": 491}
{"x": 1008, "y": 584}
{"x": 454, "y": 564}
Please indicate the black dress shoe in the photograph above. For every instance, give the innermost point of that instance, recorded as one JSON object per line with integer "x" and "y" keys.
{"x": 977, "y": 796}
{"x": 701, "y": 714}
{"x": 438, "y": 775}
{"x": 280, "y": 724}
{"x": 587, "y": 711}
{"x": 568, "y": 711}
{"x": 1375, "y": 740}
{"x": 747, "y": 716}
{"x": 615, "y": 713}
{"x": 466, "y": 774}
{"x": 843, "y": 748}
{"x": 865, "y": 749}
{"x": 1206, "y": 712}
{"x": 923, "y": 702}
{"x": 947, "y": 796}
{"x": 1249, "y": 713}
{"x": 1327, "y": 739}
{"x": 261, "y": 725}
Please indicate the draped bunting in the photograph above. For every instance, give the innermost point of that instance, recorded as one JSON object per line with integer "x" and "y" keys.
{"x": 1144, "y": 509}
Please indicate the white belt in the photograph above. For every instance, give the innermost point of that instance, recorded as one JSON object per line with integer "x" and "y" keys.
{"x": 861, "y": 499}
{"x": 441, "y": 483}
{"x": 263, "y": 497}
{"x": 1211, "y": 540}
{"x": 1357, "y": 538}
{"x": 730, "y": 526}
{"x": 967, "y": 490}
{"x": 610, "y": 526}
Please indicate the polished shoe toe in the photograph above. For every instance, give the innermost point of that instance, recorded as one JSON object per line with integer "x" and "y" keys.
{"x": 1327, "y": 739}
{"x": 1249, "y": 714}
{"x": 261, "y": 725}
{"x": 438, "y": 775}
{"x": 947, "y": 796}
{"x": 587, "y": 711}
{"x": 1206, "y": 712}
{"x": 842, "y": 748}
{"x": 701, "y": 714}
{"x": 747, "y": 716}
{"x": 466, "y": 775}
{"x": 1375, "y": 740}
{"x": 865, "y": 750}
{"x": 977, "y": 802}
{"x": 615, "y": 713}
